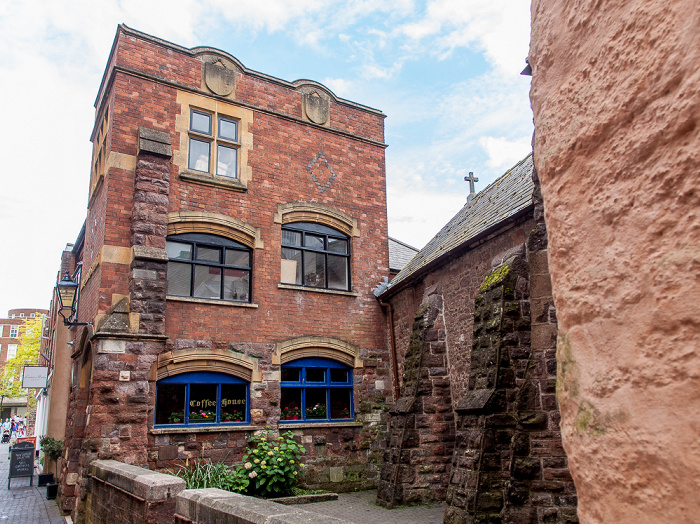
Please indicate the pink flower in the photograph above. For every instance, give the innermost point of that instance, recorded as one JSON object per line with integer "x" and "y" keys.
{"x": 252, "y": 474}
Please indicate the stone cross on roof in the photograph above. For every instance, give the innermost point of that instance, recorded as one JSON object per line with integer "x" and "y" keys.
{"x": 471, "y": 179}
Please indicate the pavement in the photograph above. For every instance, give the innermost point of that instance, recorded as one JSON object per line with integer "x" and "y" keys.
{"x": 362, "y": 508}
{"x": 24, "y": 504}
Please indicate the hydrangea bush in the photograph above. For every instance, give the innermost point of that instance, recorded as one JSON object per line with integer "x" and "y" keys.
{"x": 272, "y": 464}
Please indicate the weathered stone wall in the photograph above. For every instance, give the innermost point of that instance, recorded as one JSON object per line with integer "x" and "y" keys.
{"x": 616, "y": 101}
{"x": 421, "y": 426}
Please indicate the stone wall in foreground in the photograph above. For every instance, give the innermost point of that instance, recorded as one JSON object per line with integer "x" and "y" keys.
{"x": 616, "y": 101}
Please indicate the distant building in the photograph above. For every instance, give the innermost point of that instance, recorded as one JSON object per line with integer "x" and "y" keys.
{"x": 9, "y": 342}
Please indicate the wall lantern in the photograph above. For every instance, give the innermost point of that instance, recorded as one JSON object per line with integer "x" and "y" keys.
{"x": 67, "y": 290}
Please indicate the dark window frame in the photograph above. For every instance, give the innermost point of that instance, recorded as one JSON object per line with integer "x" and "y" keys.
{"x": 204, "y": 378}
{"x": 314, "y": 229}
{"x": 206, "y": 240}
{"x": 303, "y": 384}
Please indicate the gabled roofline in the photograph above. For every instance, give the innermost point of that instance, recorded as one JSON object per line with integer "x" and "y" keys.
{"x": 195, "y": 51}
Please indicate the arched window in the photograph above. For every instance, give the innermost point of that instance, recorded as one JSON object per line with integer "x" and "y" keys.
{"x": 208, "y": 266}
{"x": 316, "y": 390}
{"x": 202, "y": 398}
{"x": 315, "y": 255}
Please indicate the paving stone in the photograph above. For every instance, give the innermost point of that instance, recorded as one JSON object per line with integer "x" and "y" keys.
{"x": 22, "y": 503}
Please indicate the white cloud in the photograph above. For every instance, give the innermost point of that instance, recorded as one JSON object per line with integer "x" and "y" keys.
{"x": 504, "y": 153}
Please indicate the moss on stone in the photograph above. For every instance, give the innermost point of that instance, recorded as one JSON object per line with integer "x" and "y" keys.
{"x": 494, "y": 278}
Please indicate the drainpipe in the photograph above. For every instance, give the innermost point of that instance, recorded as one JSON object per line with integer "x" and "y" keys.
{"x": 394, "y": 363}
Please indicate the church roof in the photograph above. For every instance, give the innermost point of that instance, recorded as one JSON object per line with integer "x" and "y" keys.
{"x": 400, "y": 254}
{"x": 509, "y": 195}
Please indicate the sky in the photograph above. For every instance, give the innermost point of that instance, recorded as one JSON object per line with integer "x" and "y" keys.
{"x": 445, "y": 72}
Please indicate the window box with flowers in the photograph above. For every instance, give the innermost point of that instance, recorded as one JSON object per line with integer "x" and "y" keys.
{"x": 291, "y": 413}
{"x": 201, "y": 398}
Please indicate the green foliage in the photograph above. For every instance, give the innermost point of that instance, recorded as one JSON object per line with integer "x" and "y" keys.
{"x": 272, "y": 464}
{"x": 201, "y": 474}
{"x": 318, "y": 411}
{"x": 28, "y": 351}
{"x": 52, "y": 447}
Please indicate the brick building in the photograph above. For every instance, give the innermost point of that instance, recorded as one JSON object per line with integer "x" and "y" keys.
{"x": 9, "y": 342}
{"x": 233, "y": 219}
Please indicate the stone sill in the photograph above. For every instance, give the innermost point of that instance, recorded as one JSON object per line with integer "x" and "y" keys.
{"x": 317, "y": 290}
{"x": 290, "y": 424}
{"x": 202, "y": 429}
{"x": 212, "y": 302}
{"x": 207, "y": 179}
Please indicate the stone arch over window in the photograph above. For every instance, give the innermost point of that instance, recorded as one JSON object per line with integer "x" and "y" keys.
{"x": 190, "y": 360}
{"x": 215, "y": 224}
{"x": 322, "y": 347}
{"x": 319, "y": 213}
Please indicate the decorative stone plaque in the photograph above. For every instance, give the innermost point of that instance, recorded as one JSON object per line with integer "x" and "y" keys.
{"x": 220, "y": 79}
{"x": 316, "y": 107}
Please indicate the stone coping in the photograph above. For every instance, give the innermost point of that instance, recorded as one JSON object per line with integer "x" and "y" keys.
{"x": 142, "y": 483}
{"x": 305, "y": 499}
{"x": 216, "y": 505}
{"x": 290, "y": 424}
{"x": 202, "y": 429}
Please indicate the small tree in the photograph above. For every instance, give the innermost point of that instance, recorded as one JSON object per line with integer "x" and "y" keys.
{"x": 28, "y": 352}
{"x": 52, "y": 448}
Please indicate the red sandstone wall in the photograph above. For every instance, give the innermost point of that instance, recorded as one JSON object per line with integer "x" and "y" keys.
{"x": 616, "y": 101}
{"x": 460, "y": 280}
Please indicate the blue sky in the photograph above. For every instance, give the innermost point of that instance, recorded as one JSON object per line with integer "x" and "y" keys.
{"x": 445, "y": 72}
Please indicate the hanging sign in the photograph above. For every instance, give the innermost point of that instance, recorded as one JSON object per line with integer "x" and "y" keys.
{"x": 35, "y": 376}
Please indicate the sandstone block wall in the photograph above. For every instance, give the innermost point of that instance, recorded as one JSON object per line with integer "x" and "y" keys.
{"x": 616, "y": 101}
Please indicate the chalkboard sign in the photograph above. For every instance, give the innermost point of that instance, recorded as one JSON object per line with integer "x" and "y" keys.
{"x": 21, "y": 462}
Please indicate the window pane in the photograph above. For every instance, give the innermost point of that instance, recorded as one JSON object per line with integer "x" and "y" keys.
{"x": 199, "y": 155}
{"x": 314, "y": 269}
{"x": 340, "y": 403}
{"x": 200, "y": 122}
{"x": 291, "y": 266}
{"x": 179, "y": 278}
{"x": 291, "y": 238}
{"x": 228, "y": 129}
{"x": 226, "y": 161}
{"x": 316, "y": 403}
{"x": 207, "y": 282}
{"x": 315, "y": 375}
{"x": 237, "y": 258}
{"x": 314, "y": 242}
{"x": 290, "y": 375}
{"x": 339, "y": 375}
{"x": 291, "y": 404}
{"x": 203, "y": 403}
{"x": 233, "y": 403}
{"x": 170, "y": 404}
{"x": 178, "y": 250}
{"x": 211, "y": 254}
{"x": 337, "y": 272}
{"x": 336, "y": 245}
{"x": 236, "y": 284}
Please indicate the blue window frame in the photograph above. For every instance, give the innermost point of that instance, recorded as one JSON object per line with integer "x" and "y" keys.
{"x": 316, "y": 390}
{"x": 202, "y": 398}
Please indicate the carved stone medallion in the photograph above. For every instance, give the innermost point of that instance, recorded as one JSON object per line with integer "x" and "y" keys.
{"x": 220, "y": 79}
{"x": 316, "y": 107}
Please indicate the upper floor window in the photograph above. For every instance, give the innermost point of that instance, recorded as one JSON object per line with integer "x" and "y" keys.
{"x": 315, "y": 255}
{"x": 14, "y": 331}
{"x": 11, "y": 351}
{"x": 33, "y": 315}
{"x": 207, "y": 266}
{"x": 213, "y": 144}
{"x": 21, "y": 315}
{"x": 316, "y": 389}
{"x": 202, "y": 398}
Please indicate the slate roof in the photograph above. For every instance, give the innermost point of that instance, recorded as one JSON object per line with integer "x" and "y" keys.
{"x": 400, "y": 254}
{"x": 507, "y": 196}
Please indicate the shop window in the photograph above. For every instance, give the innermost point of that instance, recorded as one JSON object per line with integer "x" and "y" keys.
{"x": 315, "y": 255}
{"x": 207, "y": 266}
{"x": 316, "y": 390}
{"x": 213, "y": 144}
{"x": 202, "y": 398}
